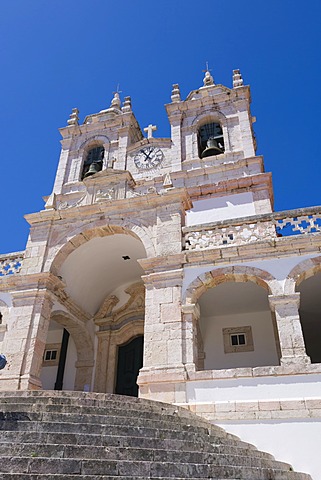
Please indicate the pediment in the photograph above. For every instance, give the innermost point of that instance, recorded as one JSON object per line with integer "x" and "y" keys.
{"x": 210, "y": 91}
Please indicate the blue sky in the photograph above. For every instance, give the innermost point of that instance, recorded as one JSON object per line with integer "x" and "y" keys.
{"x": 60, "y": 54}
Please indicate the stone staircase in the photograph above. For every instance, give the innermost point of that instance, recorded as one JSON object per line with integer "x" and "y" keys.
{"x": 48, "y": 435}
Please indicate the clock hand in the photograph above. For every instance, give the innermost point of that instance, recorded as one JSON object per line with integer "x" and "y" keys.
{"x": 147, "y": 156}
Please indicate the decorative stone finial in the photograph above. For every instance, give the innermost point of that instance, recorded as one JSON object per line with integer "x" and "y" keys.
{"x": 127, "y": 106}
{"x": 115, "y": 103}
{"x": 176, "y": 94}
{"x": 237, "y": 79}
{"x": 73, "y": 118}
{"x": 51, "y": 203}
{"x": 167, "y": 181}
{"x": 208, "y": 79}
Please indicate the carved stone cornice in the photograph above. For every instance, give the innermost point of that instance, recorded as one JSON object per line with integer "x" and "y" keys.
{"x": 162, "y": 263}
{"x": 127, "y": 206}
{"x": 172, "y": 278}
{"x": 108, "y": 304}
{"x": 134, "y": 306}
{"x": 25, "y": 286}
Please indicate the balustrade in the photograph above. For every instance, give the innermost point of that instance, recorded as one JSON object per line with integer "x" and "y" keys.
{"x": 254, "y": 228}
{"x": 10, "y": 263}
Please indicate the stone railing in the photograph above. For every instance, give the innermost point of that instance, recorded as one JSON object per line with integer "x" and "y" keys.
{"x": 244, "y": 230}
{"x": 10, "y": 263}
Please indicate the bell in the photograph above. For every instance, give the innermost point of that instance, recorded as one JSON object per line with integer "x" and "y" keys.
{"x": 212, "y": 148}
{"x": 95, "y": 167}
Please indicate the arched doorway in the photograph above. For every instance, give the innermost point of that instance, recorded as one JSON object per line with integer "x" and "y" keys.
{"x": 129, "y": 362}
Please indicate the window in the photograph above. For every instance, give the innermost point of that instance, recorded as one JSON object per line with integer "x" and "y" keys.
{"x": 93, "y": 162}
{"x": 51, "y": 355}
{"x": 210, "y": 140}
{"x": 238, "y": 339}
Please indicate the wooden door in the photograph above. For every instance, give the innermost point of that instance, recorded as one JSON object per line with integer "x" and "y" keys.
{"x": 130, "y": 361}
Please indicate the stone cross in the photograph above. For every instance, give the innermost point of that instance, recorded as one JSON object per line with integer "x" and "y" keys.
{"x": 150, "y": 129}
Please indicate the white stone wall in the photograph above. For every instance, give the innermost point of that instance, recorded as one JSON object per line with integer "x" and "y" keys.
{"x": 221, "y": 208}
{"x": 294, "y": 441}
{"x": 264, "y": 352}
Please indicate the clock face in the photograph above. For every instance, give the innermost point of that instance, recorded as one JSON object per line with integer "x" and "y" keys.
{"x": 148, "y": 157}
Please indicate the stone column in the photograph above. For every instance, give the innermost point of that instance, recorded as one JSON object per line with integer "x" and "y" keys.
{"x": 102, "y": 361}
{"x": 193, "y": 343}
{"x": 26, "y": 337}
{"x": 286, "y": 309}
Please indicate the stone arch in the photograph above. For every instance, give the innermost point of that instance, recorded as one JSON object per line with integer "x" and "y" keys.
{"x": 94, "y": 229}
{"x": 84, "y": 346}
{"x": 92, "y": 141}
{"x": 199, "y": 345}
{"x": 231, "y": 274}
{"x": 207, "y": 117}
{"x": 304, "y": 282}
{"x": 131, "y": 329}
{"x": 213, "y": 116}
{"x": 302, "y": 271}
{"x": 77, "y": 153}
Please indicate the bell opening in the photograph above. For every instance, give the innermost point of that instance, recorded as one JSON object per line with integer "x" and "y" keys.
{"x": 94, "y": 162}
{"x": 210, "y": 140}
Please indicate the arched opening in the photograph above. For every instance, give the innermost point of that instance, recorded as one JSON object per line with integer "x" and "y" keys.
{"x": 237, "y": 327}
{"x": 129, "y": 362}
{"x": 99, "y": 266}
{"x": 59, "y": 360}
{"x": 93, "y": 162}
{"x": 105, "y": 295}
{"x": 310, "y": 315}
{"x": 210, "y": 140}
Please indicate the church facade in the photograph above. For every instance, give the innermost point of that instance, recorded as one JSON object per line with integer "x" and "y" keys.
{"x": 158, "y": 268}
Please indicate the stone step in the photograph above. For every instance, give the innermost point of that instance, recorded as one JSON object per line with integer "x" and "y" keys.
{"x": 149, "y": 469}
{"x": 110, "y": 420}
{"x": 116, "y": 430}
{"x": 137, "y": 454}
{"x": 102, "y": 411}
{"x": 62, "y": 405}
{"x": 65, "y": 435}
{"x": 85, "y": 440}
{"x": 91, "y": 399}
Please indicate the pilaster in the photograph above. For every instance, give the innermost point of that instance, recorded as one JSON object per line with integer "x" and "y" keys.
{"x": 27, "y": 339}
{"x": 102, "y": 361}
{"x": 164, "y": 370}
{"x": 286, "y": 310}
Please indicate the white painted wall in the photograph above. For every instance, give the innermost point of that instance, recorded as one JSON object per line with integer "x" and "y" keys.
{"x": 215, "y": 209}
{"x": 263, "y": 338}
{"x": 254, "y": 388}
{"x": 49, "y": 374}
{"x": 294, "y": 441}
